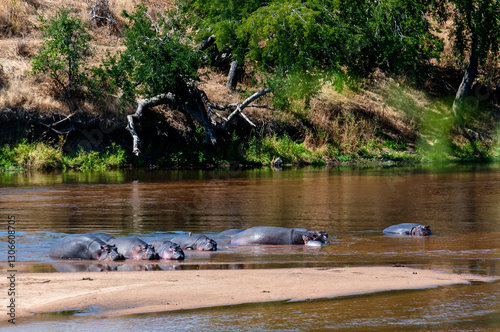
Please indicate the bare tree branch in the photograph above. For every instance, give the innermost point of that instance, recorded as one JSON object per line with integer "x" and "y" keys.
{"x": 200, "y": 109}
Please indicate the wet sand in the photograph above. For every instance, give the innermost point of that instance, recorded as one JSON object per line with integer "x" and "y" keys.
{"x": 119, "y": 293}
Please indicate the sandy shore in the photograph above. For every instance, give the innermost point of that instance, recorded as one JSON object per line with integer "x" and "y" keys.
{"x": 118, "y": 293}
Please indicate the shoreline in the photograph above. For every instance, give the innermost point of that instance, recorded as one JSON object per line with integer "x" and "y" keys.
{"x": 123, "y": 293}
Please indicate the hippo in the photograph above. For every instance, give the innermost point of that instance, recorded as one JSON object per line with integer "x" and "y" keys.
{"x": 279, "y": 236}
{"x": 195, "y": 242}
{"x": 134, "y": 248}
{"x": 84, "y": 246}
{"x": 100, "y": 236}
{"x": 408, "y": 229}
{"x": 230, "y": 232}
{"x": 170, "y": 251}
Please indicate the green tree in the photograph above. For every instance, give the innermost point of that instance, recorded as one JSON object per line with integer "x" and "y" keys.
{"x": 155, "y": 59}
{"x": 160, "y": 67}
{"x": 62, "y": 54}
{"x": 476, "y": 37}
{"x": 316, "y": 37}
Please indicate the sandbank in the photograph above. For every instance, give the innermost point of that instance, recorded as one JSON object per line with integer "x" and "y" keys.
{"x": 119, "y": 293}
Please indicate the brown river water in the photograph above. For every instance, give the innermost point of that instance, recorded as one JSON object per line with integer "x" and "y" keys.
{"x": 460, "y": 203}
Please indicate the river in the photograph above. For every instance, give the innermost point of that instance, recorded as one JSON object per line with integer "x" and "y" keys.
{"x": 460, "y": 203}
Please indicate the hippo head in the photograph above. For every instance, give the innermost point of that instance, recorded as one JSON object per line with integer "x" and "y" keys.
{"x": 420, "y": 230}
{"x": 312, "y": 242}
{"x": 207, "y": 244}
{"x": 173, "y": 253}
{"x": 318, "y": 236}
{"x": 147, "y": 252}
{"x": 109, "y": 252}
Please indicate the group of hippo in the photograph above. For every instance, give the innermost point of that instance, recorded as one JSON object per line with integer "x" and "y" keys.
{"x": 105, "y": 247}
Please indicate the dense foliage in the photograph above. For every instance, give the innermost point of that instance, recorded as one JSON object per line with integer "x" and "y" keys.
{"x": 286, "y": 35}
{"x": 476, "y": 28}
{"x": 311, "y": 40}
{"x": 155, "y": 60}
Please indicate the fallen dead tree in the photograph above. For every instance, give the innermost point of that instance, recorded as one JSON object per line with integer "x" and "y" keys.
{"x": 199, "y": 108}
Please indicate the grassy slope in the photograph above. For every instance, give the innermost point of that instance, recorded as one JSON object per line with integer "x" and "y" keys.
{"x": 384, "y": 119}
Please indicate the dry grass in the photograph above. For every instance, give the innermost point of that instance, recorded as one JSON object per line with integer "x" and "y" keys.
{"x": 20, "y": 39}
{"x": 349, "y": 121}
{"x": 17, "y": 17}
{"x": 19, "y": 91}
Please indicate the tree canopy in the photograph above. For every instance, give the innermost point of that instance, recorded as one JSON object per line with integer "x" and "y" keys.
{"x": 285, "y": 35}
{"x": 155, "y": 59}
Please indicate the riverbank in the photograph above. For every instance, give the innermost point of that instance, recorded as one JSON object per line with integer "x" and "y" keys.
{"x": 377, "y": 117}
{"x": 122, "y": 293}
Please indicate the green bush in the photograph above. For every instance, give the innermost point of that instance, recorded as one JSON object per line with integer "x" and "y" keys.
{"x": 43, "y": 156}
{"x": 7, "y": 158}
{"x": 113, "y": 157}
{"x": 37, "y": 156}
{"x": 62, "y": 54}
{"x": 269, "y": 148}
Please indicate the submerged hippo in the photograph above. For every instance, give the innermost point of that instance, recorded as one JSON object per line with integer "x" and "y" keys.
{"x": 166, "y": 249}
{"x": 134, "y": 248}
{"x": 408, "y": 229}
{"x": 84, "y": 246}
{"x": 195, "y": 242}
{"x": 279, "y": 236}
{"x": 170, "y": 251}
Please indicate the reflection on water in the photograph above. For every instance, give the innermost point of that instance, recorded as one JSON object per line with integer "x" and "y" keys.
{"x": 353, "y": 206}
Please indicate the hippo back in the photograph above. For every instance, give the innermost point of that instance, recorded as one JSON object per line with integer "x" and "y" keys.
{"x": 230, "y": 233}
{"x": 155, "y": 242}
{"x": 276, "y": 236}
{"x": 100, "y": 236}
{"x": 195, "y": 242}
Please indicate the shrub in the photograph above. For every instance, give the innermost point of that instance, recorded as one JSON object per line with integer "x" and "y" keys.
{"x": 37, "y": 156}
{"x": 62, "y": 55}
